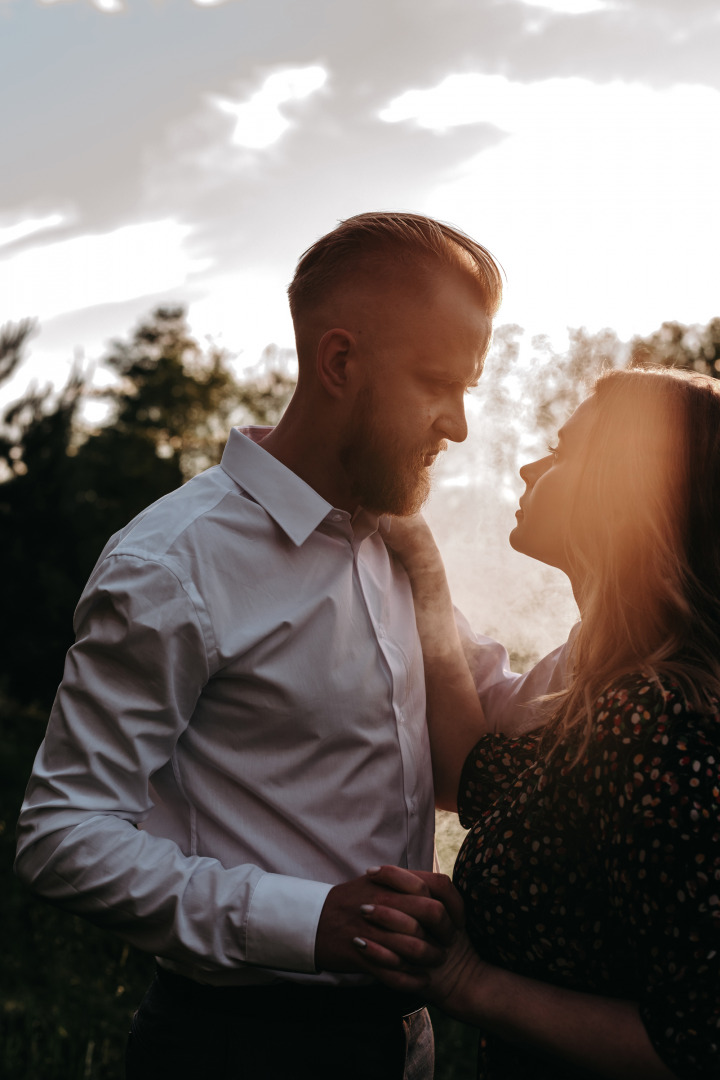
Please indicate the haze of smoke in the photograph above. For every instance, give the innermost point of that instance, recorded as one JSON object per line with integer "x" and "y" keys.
{"x": 523, "y": 396}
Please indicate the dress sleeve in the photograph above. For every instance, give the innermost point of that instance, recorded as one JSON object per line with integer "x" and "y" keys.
{"x": 494, "y": 765}
{"x": 664, "y": 871}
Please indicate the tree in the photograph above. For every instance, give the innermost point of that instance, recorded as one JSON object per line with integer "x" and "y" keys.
{"x": 676, "y": 345}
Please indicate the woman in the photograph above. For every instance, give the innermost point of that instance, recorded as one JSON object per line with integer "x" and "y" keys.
{"x": 590, "y": 874}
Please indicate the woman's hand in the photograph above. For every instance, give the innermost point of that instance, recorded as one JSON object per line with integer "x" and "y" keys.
{"x": 412, "y": 541}
{"x": 417, "y": 964}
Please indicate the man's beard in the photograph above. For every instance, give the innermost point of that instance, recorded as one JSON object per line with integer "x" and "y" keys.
{"x": 385, "y": 477}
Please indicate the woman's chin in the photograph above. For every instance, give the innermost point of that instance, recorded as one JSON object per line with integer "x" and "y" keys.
{"x": 515, "y": 540}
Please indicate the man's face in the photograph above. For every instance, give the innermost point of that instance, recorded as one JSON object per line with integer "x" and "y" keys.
{"x": 419, "y": 361}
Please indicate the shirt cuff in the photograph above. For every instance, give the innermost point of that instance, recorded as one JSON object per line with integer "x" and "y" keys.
{"x": 282, "y": 922}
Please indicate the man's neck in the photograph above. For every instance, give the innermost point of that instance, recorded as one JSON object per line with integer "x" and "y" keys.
{"x": 310, "y": 450}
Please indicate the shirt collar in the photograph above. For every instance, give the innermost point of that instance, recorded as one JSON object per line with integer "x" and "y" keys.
{"x": 290, "y": 502}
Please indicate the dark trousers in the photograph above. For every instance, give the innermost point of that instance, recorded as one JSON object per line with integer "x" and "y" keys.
{"x": 185, "y": 1031}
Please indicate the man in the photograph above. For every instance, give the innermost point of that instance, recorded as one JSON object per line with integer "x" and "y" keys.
{"x": 239, "y": 732}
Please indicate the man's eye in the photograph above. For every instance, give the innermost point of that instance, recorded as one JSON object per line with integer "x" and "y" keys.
{"x": 553, "y": 450}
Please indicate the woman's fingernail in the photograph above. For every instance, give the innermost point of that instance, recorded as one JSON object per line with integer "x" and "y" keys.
{"x": 358, "y": 941}
{"x": 373, "y": 870}
{"x": 367, "y": 909}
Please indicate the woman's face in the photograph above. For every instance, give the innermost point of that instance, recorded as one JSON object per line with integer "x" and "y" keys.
{"x": 550, "y": 485}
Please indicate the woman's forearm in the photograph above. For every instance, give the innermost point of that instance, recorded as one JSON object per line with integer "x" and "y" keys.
{"x": 455, "y": 716}
{"x": 603, "y": 1035}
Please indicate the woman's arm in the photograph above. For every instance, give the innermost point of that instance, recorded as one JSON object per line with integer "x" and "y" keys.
{"x": 602, "y": 1035}
{"x": 455, "y": 716}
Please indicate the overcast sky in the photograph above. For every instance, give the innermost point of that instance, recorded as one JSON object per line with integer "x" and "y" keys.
{"x": 161, "y": 150}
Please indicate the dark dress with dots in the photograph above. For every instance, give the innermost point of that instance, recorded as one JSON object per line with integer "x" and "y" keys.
{"x": 603, "y": 877}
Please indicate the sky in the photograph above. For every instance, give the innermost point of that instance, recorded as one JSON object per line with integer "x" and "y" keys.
{"x": 159, "y": 151}
{"x": 171, "y": 150}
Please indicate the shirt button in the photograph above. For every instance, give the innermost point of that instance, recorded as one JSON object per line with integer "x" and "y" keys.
{"x": 337, "y": 517}
{"x": 381, "y": 630}
{"x": 401, "y": 716}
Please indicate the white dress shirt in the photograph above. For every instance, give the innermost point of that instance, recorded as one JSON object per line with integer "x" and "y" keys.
{"x": 240, "y": 725}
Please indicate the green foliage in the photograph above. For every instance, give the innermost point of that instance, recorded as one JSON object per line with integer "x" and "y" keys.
{"x": 675, "y": 345}
{"x": 171, "y": 398}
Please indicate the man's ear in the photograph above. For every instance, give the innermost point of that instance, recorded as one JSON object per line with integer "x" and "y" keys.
{"x": 336, "y": 352}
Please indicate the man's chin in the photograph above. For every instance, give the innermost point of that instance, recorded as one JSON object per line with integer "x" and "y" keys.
{"x": 400, "y": 503}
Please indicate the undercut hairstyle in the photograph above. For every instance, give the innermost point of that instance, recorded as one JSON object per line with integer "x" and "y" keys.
{"x": 644, "y": 538}
{"x": 385, "y": 241}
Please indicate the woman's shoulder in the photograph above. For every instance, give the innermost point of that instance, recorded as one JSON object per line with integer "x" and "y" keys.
{"x": 646, "y": 717}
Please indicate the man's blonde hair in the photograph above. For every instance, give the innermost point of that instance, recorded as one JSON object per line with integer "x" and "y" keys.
{"x": 408, "y": 245}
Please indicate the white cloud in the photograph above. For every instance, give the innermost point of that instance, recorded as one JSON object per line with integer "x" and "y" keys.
{"x": 69, "y": 275}
{"x": 554, "y": 105}
{"x": 571, "y": 7}
{"x": 259, "y": 122}
{"x": 110, "y": 7}
{"x": 10, "y": 233}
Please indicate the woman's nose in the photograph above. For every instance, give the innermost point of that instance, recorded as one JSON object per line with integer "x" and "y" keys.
{"x": 529, "y": 473}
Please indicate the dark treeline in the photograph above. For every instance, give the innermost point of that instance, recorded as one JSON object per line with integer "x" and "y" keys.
{"x": 66, "y": 484}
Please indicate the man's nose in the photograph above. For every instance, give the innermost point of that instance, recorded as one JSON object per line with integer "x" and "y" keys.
{"x": 453, "y": 422}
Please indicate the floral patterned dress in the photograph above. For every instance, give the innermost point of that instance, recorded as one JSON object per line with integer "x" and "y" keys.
{"x": 605, "y": 876}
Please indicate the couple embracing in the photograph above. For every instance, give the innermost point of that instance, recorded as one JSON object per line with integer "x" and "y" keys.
{"x": 268, "y": 694}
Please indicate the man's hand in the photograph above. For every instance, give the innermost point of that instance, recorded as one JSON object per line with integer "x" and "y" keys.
{"x": 412, "y": 920}
{"x": 409, "y": 963}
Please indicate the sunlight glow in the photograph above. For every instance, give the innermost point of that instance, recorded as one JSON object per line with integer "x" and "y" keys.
{"x": 10, "y": 233}
{"x": 69, "y": 275}
{"x": 246, "y": 311}
{"x": 600, "y": 200}
{"x": 259, "y": 122}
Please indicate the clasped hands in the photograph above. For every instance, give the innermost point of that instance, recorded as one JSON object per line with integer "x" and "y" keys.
{"x": 405, "y": 928}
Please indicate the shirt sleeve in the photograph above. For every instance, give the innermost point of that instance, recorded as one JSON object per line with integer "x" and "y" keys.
{"x": 663, "y": 836}
{"x": 494, "y": 765}
{"x": 143, "y": 653}
{"x": 510, "y": 700}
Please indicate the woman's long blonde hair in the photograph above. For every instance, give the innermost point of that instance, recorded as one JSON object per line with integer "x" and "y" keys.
{"x": 644, "y": 543}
